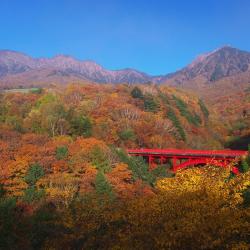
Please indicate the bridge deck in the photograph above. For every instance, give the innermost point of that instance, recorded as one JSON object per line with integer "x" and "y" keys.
{"x": 188, "y": 153}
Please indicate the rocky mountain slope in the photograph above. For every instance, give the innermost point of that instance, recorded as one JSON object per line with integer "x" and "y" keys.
{"x": 211, "y": 67}
{"x": 15, "y": 66}
{"x": 208, "y": 69}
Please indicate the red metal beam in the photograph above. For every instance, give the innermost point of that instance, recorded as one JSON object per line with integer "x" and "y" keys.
{"x": 182, "y": 153}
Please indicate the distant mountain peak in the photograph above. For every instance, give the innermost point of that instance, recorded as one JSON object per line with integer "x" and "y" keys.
{"x": 204, "y": 56}
{"x": 13, "y": 63}
{"x": 212, "y": 66}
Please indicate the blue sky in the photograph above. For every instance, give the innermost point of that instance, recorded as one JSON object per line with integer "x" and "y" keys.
{"x": 156, "y": 37}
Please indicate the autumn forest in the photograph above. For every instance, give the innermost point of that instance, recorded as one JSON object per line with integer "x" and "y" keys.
{"x": 124, "y": 125}
{"x": 67, "y": 181}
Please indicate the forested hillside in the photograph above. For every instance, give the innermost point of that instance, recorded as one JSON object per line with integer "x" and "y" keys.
{"x": 65, "y": 173}
{"x": 233, "y": 108}
{"x": 72, "y": 133}
{"x": 126, "y": 116}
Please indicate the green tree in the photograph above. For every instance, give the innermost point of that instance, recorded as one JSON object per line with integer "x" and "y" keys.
{"x": 34, "y": 173}
{"x": 81, "y": 126}
{"x": 197, "y": 119}
{"x": 203, "y": 108}
{"x": 164, "y": 98}
{"x": 160, "y": 172}
{"x": 136, "y": 93}
{"x": 182, "y": 107}
{"x": 100, "y": 160}
{"x": 32, "y": 194}
{"x": 102, "y": 186}
{"x": 150, "y": 104}
{"x": 245, "y": 164}
{"x": 172, "y": 116}
{"x": 61, "y": 152}
{"x": 127, "y": 134}
{"x": 139, "y": 168}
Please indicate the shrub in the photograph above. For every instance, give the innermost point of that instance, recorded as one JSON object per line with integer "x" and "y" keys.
{"x": 136, "y": 93}
{"x": 61, "y": 152}
{"x": 127, "y": 134}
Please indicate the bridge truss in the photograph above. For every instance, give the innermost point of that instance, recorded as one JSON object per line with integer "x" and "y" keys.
{"x": 183, "y": 158}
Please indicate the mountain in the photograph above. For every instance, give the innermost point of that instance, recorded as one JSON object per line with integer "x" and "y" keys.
{"x": 14, "y": 63}
{"x": 211, "y": 67}
{"x": 23, "y": 69}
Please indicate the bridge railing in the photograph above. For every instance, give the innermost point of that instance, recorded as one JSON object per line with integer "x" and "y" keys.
{"x": 189, "y": 152}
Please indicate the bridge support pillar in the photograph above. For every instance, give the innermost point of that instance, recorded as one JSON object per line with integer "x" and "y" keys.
{"x": 150, "y": 160}
{"x": 162, "y": 159}
{"x": 174, "y": 162}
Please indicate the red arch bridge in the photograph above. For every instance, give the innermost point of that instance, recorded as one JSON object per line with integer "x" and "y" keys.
{"x": 183, "y": 158}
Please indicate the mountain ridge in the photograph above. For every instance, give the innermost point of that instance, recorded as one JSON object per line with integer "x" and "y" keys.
{"x": 206, "y": 68}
